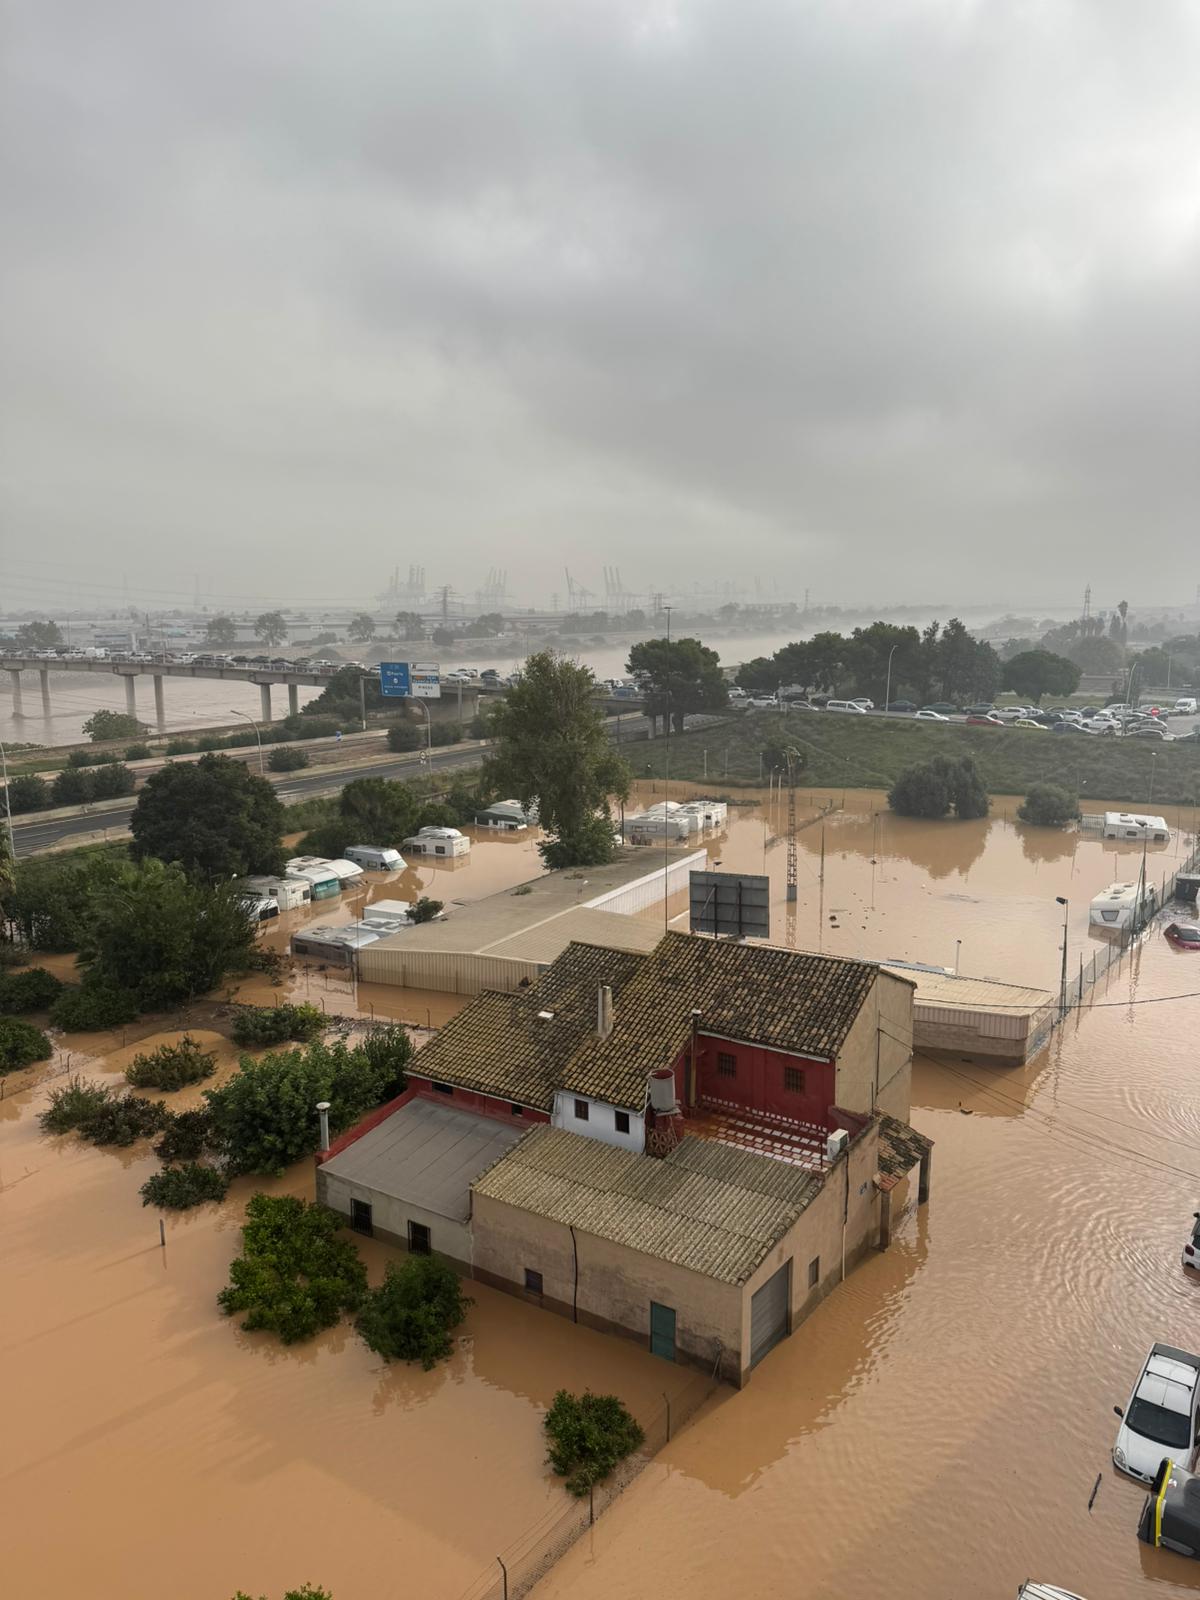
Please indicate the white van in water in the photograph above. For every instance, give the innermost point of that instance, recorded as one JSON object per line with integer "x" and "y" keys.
{"x": 375, "y": 858}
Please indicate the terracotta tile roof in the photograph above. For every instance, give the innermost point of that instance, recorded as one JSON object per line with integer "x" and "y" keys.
{"x": 900, "y": 1147}
{"x": 787, "y": 999}
{"x": 711, "y": 1209}
{"x": 498, "y": 1045}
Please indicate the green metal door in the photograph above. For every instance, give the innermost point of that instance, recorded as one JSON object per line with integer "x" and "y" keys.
{"x": 662, "y": 1331}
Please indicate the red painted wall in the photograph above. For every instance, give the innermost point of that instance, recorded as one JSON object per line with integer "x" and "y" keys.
{"x": 759, "y": 1079}
{"x": 483, "y": 1105}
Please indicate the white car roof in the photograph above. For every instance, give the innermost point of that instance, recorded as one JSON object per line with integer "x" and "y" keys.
{"x": 1168, "y": 1383}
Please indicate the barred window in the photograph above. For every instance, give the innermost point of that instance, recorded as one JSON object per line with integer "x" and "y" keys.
{"x": 726, "y": 1064}
{"x": 793, "y": 1080}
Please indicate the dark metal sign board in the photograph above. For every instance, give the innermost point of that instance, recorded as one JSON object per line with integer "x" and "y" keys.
{"x": 733, "y": 905}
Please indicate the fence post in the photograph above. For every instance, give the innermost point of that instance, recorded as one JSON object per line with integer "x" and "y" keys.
{"x": 1081, "y": 980}
{"x": 504, "y": 1570}
{"x": 591, "y": 1506}
{"x": 667, "y": 1398}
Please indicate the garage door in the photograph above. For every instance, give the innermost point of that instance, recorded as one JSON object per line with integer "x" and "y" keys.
{"x": 769, "y": 1313}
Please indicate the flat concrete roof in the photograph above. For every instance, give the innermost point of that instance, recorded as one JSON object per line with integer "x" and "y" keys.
{"x": 969, "y": 994}
{"x": 427, "y": 1154}
{"x": 536, "y": 921}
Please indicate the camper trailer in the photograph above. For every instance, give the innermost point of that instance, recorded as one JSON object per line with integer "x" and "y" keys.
{"x": 506, "y": 816}
{"x": 335, "y": 945}
{"x": 375, "y": 858}
{"x": 1123, "y": 906}
{"x": 445, "y": 842}
{"x": 1136, "y": 825}
{"x": 288, "y": 893}
{"x": 324, "y": 883}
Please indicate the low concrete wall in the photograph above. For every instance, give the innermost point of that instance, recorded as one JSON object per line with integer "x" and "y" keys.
{"x": 450, "y": 971}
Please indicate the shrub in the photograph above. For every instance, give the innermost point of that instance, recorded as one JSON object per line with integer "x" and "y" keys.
{"x": 85, "y": 758}
{"x": 931, "y": 788}
{"x": 21, "y": 1044}
{"x": 71, "y": 787}
{"x": 179, "y": 1188}
{"x": 307, "y": 1592}
{"x": 411, "y": 1314}
{"x": 93, "y": 1007}
{"x": 209, "y": 742}
{"x": 122, "y": 1119}
{"x": 589, "y": 1435}
{"x": 1048, "y": 805}
{"x": 186, "y": 1136}
{"x": 112, "y": 781}
{"x": 28, "y": 793}
{"x": 112, "y": 725}
{"x": 138, "y": 752}
{"x": 172, "y": 1066}
{"x": 35, "y": 989}
{"x": 287, "y": 760}
{"x": 181, "y": 747}
{"x": 295, "y": 1275}
{"x": 403, "y": 736}
{"x": 426, "y": 910}
{"x": 446, "y": 733}
{"x": 258, "y": 1025}
{"x": 72, "y": 1104}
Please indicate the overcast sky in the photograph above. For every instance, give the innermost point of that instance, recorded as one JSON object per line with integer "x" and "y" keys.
{"x": 883, "y": 298}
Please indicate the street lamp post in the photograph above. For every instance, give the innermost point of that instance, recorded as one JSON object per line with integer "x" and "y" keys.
{"x": 258, "y": 737}
{"x": 887, "y": 693}
{"x": 1062, "y": 987}
{"x": 667, "y": 783}
{"x": 12, "y": 844}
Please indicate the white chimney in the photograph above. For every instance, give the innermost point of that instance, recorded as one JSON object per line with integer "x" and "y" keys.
{"x": 323, "y": 1113}
{"x": 604, "y": 1010}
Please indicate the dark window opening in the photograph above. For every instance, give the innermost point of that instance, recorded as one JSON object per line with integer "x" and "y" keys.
{"x": 793, "y": 1079}
{"x": 814, "y": 1272}
{"x": 516, "y": 1110}
{"x": 621, "y": 1118}
{"x": 533, "y": 1281}
{"x": 444, "y": 1088}
{"x": 418, "y": 1239}
{"x": 360, "y": 1217}
{"x": 726, "y": 1064}
{"x": 582, "y": 1110}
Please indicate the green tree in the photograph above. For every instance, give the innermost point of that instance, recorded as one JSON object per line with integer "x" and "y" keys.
{"x": 39, "y": 635}
{"x": 1097, "y": 655}
{"x": 28, "y": 793}
{"x": 221, "y": 630}
{"x": 589, "y": 1434}
{"x": 405, "y": 735}
{"x": 868, "y": 652}
{"x": 180, "y": 1188}
{"x": 270, "y": 627}
{"x": 1037, "y": 672}
{"x": 112, "y": 780}
{"x": 295, "y": 1275}
{"x": 759, "y": 676}
{"x": 160, "y": 937}
{"x": 21, "y": 1044}
{"x": 816, "y": 663}
{"x": 443, "y": 638}
{"x": 679, "y": 676}
{"x": 307, "y": 1591}
{"x": 551, "y": 749}
{"x": 49, "y": 905}
{"x": 112, "y": 725}
{"x": 932, "y": 788}
{"x": 33, "y": 989}
{"x": 72, "y": 787}
{"x": 1048, "y": 806}
{"x": 378, "y": 811}
{"x": 362, "y": 627}
{"x": 410, "y": 625}
{"x": 213, "y": 816}
{"x": 486, "y": 626}
{"x": 264, "y": 1117}
{"x": 966, "y": 669}
{"x": 413, "y": 1312}
{"x": 287, "y": 760}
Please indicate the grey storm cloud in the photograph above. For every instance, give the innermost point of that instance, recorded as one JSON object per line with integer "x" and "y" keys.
{"x": 893, "y": 298}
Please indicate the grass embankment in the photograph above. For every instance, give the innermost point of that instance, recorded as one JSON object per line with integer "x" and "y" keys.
{"x": 870, "y": 753}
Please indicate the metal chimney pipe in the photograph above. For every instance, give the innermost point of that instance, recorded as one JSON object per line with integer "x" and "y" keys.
{"x": 323, "y": 1113}
{"x": 604, "y": 1010}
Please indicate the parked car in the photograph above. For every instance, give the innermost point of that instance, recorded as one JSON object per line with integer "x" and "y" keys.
{"x": 1148, "y": 730}
{"x": 861, "y": 700}
{"x": 902, "y": 705}
{"x": 942, "y": 707}
{"x": 1191, "y": 1250}
{"x": 985, "y": 719}
{"x": 1188, "y": 738}
{"x": 1028, "y": 722}
{"x": 1064, "y": 725}
{"x": 763, "y": 702}
{"x": 1161, "y": 1417}
{"x": 928, "y": 714}
{"x": 851, "y": 706}
{"x": 981, "y": 710}
{"x": 1011, "y": 713}
{"x": 1183, "y": 935}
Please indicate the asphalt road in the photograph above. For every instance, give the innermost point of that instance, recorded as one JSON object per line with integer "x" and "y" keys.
{"x": 38, "y": 835}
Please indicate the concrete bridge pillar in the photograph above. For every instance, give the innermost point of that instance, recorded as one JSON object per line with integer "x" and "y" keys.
{"x": 294, "y": 699}
{"x": 44, "y": 675}
{"x": 18, "y": 708}
{"x": 131, "y": 695}
{"x": 160, "y": 711}
{"x": 264, "y": 690}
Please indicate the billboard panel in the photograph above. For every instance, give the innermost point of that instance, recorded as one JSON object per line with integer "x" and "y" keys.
{"x": 394, "y": 681}
{"x": 736, "y": 905}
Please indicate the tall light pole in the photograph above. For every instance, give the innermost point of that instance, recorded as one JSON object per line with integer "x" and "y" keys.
{"x": 1062, "y": 987}
{"x": 887, "y": 693}
{"x": 235, "y": 712}
{"x": 12, "y": 843}
{"x": 667, "y": 784}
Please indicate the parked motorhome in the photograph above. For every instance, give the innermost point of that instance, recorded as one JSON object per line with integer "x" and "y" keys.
{"x": 288, "y": 893}
{"x": 375, "y": 858}
{"x": 325, "y": 883}
{"x": 447, "y": 842}
{"x": 1123, "y": 906}
{"x": 259, "y": 907}
{"x": 335, "y": 945}
{"x": 712, "y": 813}
{"x": 1136, "y": 825}
{"x": 506, "y": 816}
{"x": 664, "y": 821}
{"x": 388, "y": 911}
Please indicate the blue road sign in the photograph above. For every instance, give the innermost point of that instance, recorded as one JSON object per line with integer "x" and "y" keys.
{"x": 394, "y": 680}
